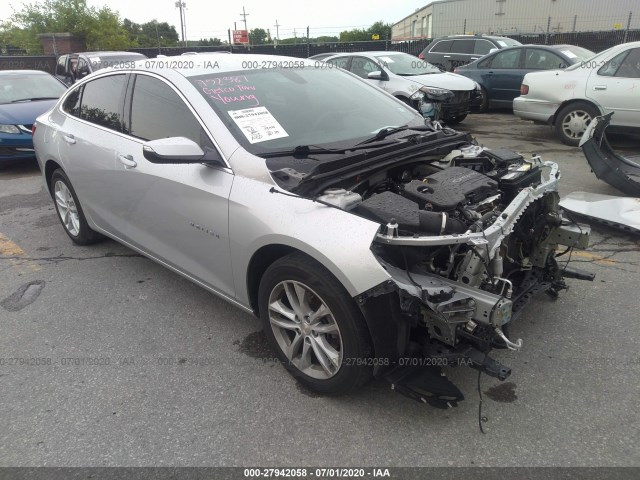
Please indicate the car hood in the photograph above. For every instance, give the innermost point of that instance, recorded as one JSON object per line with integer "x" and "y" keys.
{"x": 446, "y": 80}
{"x": 24, "y": 113}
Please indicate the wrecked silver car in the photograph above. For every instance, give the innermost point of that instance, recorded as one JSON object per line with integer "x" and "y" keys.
{"x": 368, "y": 240}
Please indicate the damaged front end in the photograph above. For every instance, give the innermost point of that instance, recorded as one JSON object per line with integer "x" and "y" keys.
{"x": 467, "y": 242}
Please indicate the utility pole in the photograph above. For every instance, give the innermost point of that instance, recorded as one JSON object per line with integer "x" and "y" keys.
{"x": 244, "y": 16}
{"x": 277, "y": 25}
{"x": 183, "y": 30}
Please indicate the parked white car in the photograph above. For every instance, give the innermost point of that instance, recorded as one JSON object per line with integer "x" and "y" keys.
{"x": 570, "y": 99}
{"x": 414, "y": 81}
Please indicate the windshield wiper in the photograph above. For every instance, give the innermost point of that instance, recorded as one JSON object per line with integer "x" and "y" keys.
{"x": 385, "y": 132}
{"x": 303, "y": 151}
{"x": 33, "y": 99}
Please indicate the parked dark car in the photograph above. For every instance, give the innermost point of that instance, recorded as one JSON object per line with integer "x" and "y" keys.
{"x": 74, "y": 66}
{"x": 24, "y": 96}
{"x": 500, "y": 74}
{"x": 457, "y": 50}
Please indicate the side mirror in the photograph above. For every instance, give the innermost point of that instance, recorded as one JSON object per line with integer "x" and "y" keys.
{"x": 377, "y": 75}
{"x": 173, "y": 150}
{"x": 493, "y": 50}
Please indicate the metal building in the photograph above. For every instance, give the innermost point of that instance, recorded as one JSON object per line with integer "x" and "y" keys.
{"x": 512, "y": 17}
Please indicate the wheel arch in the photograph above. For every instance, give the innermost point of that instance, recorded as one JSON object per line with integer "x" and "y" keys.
{"x": 572, "y": 101}
{"x": 50, "y": 166}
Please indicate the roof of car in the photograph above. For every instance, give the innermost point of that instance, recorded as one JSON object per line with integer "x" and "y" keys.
{"x": 477, "y": 35}
{"x": 6, "y": 73}
{"x": 210, "y": 62}
{"x": 109, "y": 53}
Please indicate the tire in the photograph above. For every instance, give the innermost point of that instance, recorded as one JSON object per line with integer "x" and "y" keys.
{"x": 455, "y": 120}
{"x": 572, "y": 120}
{"x": 345, "y": 337}
{"x": 70, "y": 212}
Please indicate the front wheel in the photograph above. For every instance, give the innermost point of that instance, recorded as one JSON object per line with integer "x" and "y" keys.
{"x": 573, "y": 120}
{"x": 70, "y": 212}
{"x": 316, "y": 329}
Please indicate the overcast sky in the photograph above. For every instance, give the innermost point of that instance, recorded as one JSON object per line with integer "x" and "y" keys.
{"x": 208, "y": 18}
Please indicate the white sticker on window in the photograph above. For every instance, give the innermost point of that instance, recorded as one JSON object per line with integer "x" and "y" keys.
{"x": 569, "y": 54}
{"x": 257, "y": 124}
{"x": 502, "y": 43}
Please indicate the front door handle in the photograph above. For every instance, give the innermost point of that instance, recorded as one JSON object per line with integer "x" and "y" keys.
{"x": 599, "y": 87}
{"x": 69, "y": 138}
{"x": 447, "y": 56}
{"x": 127, "y": 161}
{"x": 474, "y": 58}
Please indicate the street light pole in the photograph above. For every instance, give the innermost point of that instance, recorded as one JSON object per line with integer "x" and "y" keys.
{"x": 183, "y": 30}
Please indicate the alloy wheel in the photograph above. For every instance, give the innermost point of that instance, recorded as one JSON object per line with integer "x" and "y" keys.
{"x": 305, "y": 329}
{"x": 67, "y": 208}
{"x": 575, "y": 123}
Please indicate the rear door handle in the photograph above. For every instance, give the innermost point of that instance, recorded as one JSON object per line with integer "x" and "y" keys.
{"x": 69, "y": 138}
{"x": 599, "y": 87}
{"x": 447, "y": 56}
{"x": 474, "y": 58}
{"x": 127, "y": 161}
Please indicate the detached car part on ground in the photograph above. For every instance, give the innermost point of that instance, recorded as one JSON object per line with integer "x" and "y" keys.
{"x": 368, "y": 241}
{"x": 620, "y": 172}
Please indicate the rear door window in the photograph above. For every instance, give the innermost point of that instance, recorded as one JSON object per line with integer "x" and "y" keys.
{"x": 465, "y": 47}
{"x": 506, "y": 59}
{"x": 102, "y": 101}
{"x": 443, "y": 46}
{"x": 538, "y": 59}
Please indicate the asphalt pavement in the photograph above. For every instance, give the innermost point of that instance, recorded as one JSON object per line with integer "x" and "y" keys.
{"x": 109, "y": 359}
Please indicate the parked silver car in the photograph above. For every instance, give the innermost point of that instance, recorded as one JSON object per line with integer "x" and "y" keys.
{"x": 571, "y": 98}
{"x": 368, "y": 240}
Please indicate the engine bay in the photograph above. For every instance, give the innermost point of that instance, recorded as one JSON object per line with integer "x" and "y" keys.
{"x": 469, "y": 239}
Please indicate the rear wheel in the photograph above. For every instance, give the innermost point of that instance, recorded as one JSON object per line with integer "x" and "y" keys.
{"x": 573, "y": 120}
{"x": 70, "y": 212}
{"x": 317, "y": 331}
{"x": 455, "y": 120}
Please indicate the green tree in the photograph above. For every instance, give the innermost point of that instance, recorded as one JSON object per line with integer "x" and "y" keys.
{"x": 258, "y": 36}
{"x": 106, "y": 32}
{"x": 100, "y": 28}
{"x": 151, "y": 34}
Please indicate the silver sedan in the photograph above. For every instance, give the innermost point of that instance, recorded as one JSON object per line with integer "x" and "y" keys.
{"x": 368, "y": 240}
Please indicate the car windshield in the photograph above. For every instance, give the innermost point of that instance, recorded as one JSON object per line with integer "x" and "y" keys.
{"x": 590, "y": 60}
{"x": 29, "y": 87}
{"x": 575, "y": 54}
{"x": 98, "y": 62}
{"x": 405, "y": 65}
{"x": 275, "y": 110}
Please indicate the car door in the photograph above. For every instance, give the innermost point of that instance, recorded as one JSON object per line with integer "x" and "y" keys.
{"x": 439, "y": 55}
{"x": 616, "y": 87}
{"x": 177, "y": 213}
{"x": 89, "y": 139}
{"x": 503, "y": 75}
{"x": 363, "y": 66}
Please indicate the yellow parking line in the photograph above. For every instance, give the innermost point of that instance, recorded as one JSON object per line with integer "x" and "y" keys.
{"x": 12, "y": 249}
{"x": 595, "y": 258}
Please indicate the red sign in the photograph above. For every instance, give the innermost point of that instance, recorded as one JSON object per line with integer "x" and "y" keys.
{"x": 240, "y": 36}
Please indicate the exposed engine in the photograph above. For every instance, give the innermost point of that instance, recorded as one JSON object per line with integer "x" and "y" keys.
{"x": 469, "y": 239}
